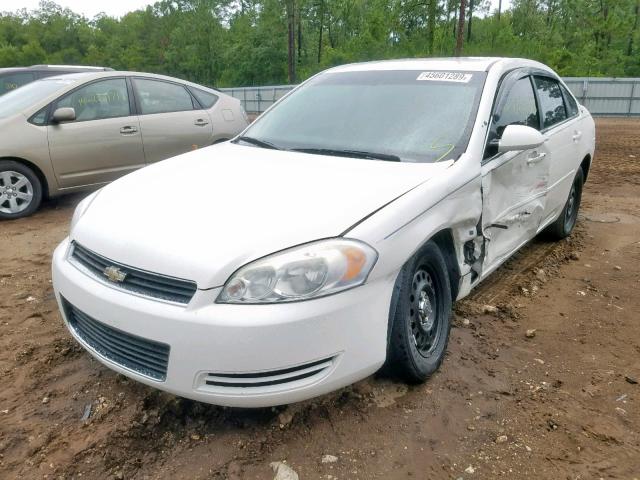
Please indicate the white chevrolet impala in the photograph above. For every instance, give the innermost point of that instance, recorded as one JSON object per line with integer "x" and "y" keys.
{"x": 332, "y": 236}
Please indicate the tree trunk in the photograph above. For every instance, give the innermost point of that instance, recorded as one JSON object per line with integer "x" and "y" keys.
{"x": 635, "y": 29}
{"x": 321, "y": 29}
{"x": 291, "y": 26}
{"x": 299, "y": 35}
{"x": 499, "y": 9}
{"x": 431, "y": 24}
{"x": 470, "y": 20}
{"x": 460, "y": 33}
{"x": 455, "y": 23}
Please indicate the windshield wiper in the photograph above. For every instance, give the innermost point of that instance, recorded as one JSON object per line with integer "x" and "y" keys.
{"x": 258, "y": 143}
{"x": 350, "y": 153}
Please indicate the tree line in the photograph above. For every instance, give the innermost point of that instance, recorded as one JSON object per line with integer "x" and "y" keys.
{"x": 265, "y": 42}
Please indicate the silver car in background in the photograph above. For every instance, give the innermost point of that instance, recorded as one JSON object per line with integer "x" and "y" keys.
{"x": 70, "y": 132}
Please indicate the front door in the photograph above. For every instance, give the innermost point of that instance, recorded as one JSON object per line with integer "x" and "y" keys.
{"x": 514, "y": 184}
{"x": 103, "y": 142}
{"x": 172, "y": 122}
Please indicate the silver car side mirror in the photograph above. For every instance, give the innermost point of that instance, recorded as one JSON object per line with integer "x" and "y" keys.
{"x": 519, "y": 137}
{"x": 64, "y": 114}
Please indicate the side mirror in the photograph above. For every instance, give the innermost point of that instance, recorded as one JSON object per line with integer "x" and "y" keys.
{"x": 519, "y": 137}
{"x": 65, "y": 114}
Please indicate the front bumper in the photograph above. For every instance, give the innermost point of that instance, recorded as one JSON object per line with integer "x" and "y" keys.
{"x": 239, "y": 355}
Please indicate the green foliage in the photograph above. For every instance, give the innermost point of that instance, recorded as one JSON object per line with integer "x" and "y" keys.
{"x": 244, "y": 42}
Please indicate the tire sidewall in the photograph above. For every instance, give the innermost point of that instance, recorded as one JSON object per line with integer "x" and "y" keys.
{"x": 578, "y": 183}
{"x": 406, "y": 359}
{"x": 11, "y": 165}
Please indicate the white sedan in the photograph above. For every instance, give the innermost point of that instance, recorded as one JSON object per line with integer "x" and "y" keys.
{"x": 332, "y": 236}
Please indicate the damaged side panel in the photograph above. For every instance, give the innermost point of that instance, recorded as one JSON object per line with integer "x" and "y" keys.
{"x": 514, "y": 196}
{"x": 459, "y": 212}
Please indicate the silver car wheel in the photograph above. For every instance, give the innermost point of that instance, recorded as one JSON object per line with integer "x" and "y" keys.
{"x": 16, "y": 192}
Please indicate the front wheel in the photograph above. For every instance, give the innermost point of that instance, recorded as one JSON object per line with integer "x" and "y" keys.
{"x": 564, "y": 224}
{"x": 420, "y": 316}
{"x": 20, "y": 190}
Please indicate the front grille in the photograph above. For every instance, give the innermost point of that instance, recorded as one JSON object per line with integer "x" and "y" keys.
{"x": 144, "y": 356}
{"x": 134, "y": 280}
{"x": 269, "y": 378}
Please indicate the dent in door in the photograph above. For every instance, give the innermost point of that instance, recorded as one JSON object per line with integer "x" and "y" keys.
{"x": 514, "y": 196}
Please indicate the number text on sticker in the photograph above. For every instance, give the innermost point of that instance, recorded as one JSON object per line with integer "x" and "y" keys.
{"x": 445, "y": 77}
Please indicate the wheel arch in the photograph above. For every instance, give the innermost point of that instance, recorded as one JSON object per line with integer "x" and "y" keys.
{"x": 39, "y": 173}
{"x": 445, "y": 242}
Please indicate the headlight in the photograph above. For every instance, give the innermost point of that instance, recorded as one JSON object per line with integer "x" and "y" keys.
{"x": 81, "y": 209}
{"x": 309, "y": 271}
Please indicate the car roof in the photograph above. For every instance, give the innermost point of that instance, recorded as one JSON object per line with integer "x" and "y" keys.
{"x": 81, "y": 77}
{"x": 471, "y": 64}
{"x": 80, "y": 68}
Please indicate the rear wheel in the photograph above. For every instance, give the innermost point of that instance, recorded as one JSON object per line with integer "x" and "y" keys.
{"x": 420, "y": 316}
{"x": 20, "y": 190}
{"x": 565, "y": 223}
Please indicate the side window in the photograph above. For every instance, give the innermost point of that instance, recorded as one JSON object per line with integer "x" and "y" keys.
{"x": 39, "y": 118}
{"x": 98, "y": 100}
{"x": 206, "y": 99}
{"x": 160, "y": 97}
{"x": 12, "y": 81}
{"x": 519, "y": 108}
{"x": 551, "y": 102}
{"x": 569, "y": 102}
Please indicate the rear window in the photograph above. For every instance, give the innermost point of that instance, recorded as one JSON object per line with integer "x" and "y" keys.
{"x": 156, "y": 96}
{"x": 11, "y": 81}
{"x": 571, "y": 104}
{"x": 206, "y": 99}
{"x": 551, "y": 102}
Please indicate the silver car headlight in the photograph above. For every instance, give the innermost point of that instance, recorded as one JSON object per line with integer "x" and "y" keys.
{"x": 301, "y": 273}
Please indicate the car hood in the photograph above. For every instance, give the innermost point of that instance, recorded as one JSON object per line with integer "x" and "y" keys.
{"x": 201, "y": 215}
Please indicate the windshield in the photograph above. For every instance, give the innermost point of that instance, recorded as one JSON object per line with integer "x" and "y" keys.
{"x": 23, "y": 97}
{"x": 411, "y": 116}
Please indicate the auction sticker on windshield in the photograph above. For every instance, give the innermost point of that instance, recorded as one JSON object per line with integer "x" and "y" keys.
{"x": 445, "y": 77}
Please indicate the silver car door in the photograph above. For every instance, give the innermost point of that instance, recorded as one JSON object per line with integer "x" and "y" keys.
{"x": 103, "y": 142}
{"x": 171, "y": 120}
{"x": 514, "y": 184}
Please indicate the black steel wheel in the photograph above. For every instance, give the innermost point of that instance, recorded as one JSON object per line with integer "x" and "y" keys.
{"x": 565, "y": 223}
{"x": 420, "y": 316}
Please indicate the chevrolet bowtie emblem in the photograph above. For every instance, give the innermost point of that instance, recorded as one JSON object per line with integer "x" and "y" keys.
{"x": 114, "y": 274}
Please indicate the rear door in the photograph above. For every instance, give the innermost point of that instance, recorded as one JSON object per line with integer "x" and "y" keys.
{"x": 561, "y": 124}
{"x": 171, "y": 119}
{"x": 104, "y": 141}
{"x": 514, "y": 184}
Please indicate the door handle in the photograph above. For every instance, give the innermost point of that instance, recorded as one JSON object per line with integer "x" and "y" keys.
{"x": 577, "y": 136}
{"x": 128, "y": 130}
{"x": 200, "y": 122}
{"x": 535, "y": 158}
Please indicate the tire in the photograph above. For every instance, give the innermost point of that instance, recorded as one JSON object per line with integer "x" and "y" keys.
{"x": 20, "y": 190}
{"x": 564, "y": 224}
{"x": 419, "y": 329}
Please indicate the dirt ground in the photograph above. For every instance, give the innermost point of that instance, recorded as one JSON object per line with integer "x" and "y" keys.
{"x": 562, "y": 402}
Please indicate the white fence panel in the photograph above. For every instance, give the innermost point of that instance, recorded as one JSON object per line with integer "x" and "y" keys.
{"x": 602, "y": 96}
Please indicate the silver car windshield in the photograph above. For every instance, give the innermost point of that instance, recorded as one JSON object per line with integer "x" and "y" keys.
{"x": 409, "y": 116}
{"x": 24, "y": 97}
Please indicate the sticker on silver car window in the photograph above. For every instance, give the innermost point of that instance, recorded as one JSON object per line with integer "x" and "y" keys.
{"x": 445, "y": 77}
